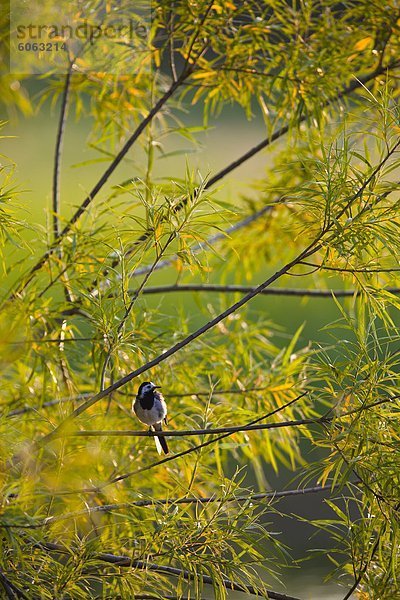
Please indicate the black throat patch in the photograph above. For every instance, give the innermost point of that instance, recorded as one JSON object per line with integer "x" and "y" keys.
{"x": 147, "y": 400}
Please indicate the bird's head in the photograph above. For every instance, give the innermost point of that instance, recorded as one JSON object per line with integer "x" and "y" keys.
{"x": 146, "y": 388}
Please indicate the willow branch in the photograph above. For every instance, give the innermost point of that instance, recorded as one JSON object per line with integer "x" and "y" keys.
{"x": 254, "y": 497}
{"x": 127, "y": 561}
{"x": 26, "y": 409}
{"x": 106, "y": 508}
{"x": 191, "y": 432}
{"x": 356, "y": 84}
{"x": 313, "y": 247}
{"x": 172, "y": 350}
{"x": 363, "y": 571}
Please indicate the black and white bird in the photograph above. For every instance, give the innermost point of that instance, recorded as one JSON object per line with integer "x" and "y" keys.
{"x": 150, "y": 409}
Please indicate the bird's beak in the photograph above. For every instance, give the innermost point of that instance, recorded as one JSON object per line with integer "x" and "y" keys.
{"x": 157, "y": 387}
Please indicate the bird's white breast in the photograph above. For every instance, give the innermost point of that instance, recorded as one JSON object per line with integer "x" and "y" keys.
{"x": 156, "y": 414}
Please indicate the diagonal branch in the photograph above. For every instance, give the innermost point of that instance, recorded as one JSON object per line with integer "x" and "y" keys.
{"x": 132, "y": 301}
{"x": 363, "y": 571}
{"x": 350, "y": 269}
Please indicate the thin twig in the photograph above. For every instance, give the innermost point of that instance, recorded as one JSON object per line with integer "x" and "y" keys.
{"x": 214, "y": 392}
{"x": 252, "y": 71}
{"x": 58, "y": 151}
{"x": 142, "y": 286}
{"x": 189, "y": 60}
{"x": 350, "y": 269}
{"x": 56, "y": 178}
{"x": 274, "y": 291}
{"x": 171, "y": 43}
{"x": 131, "y": 304}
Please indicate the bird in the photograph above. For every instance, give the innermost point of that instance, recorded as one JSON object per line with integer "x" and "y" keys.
{"x": 151, "y": 409}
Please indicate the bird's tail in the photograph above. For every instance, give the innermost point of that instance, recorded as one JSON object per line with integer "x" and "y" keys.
{"x": 161, "y": 442}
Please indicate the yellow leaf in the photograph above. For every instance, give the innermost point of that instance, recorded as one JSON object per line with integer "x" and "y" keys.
{"x": 280, "y": 388}
{"x": 325, "y": 474}
{"x": 213, "y": 92}
{"x": 202, "y": 75}
{"x": 362, "y": 44}
{"x": 157, "y": 59}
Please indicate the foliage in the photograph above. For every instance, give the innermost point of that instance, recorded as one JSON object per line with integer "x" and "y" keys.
{"x": 87, "y": 508}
